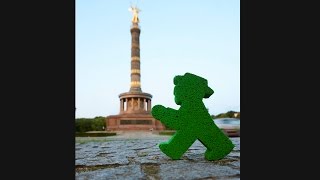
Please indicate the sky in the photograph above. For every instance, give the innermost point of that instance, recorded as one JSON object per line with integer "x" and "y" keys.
{"x": 177, "y": 36}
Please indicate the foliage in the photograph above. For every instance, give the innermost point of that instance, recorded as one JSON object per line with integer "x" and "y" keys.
{"x": 98, "y": 124}
{"x": 83, "y": 140}
{"x": 83, "y": 134}
{"x": 89, "y": 124}
{"x": 229, "y": 114}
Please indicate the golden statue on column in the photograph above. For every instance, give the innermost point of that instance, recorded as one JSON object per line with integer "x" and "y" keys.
{"x": 135, "y": 11}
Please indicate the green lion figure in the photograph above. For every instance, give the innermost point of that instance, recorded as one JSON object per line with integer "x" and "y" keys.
{"x": 192, "y": 121}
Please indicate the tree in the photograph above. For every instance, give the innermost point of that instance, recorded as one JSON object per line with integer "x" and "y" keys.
{"x": 98, "y": 123}
{"x": 88, "y": 124}
{"x": 83, "y": 125}
{"x": 229, "y": 114}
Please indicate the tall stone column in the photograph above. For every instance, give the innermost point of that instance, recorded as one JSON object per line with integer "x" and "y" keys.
{"x": 135, "y": 58}
{"x": 135, "y": 105}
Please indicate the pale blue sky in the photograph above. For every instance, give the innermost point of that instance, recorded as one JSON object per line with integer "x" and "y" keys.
{"x": 201, "y": 37}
